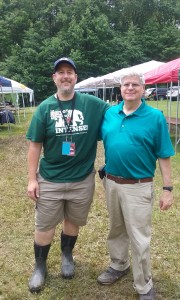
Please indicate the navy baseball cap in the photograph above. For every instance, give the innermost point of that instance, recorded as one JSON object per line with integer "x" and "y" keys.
{"x": 64, "y": 60}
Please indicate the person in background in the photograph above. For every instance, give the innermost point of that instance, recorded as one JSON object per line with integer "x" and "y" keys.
{"x": 135, "y": 136}
{"x": 61, "y": 181}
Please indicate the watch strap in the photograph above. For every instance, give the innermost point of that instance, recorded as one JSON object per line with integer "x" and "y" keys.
{"x": 168, "y": 188}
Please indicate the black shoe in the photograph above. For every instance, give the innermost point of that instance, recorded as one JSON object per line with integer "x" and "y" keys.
{"x": 110, "y": 275}
{"x": 37, "y": 279}
{"x": 67, "y": 268}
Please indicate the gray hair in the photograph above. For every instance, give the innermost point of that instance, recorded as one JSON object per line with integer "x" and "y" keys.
{"x": 129, "y": 73}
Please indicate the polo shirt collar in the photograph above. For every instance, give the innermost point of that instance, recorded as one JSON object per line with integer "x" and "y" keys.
{"x": 137, "y": 112}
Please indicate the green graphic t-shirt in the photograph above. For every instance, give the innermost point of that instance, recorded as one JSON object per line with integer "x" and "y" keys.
{"x": 48, "y": 126}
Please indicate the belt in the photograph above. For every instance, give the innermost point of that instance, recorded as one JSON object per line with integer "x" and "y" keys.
{"x": 122, "y": 180}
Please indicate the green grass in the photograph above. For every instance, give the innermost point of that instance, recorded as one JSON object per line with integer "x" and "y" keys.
{"x": 91, "y": 255}
{"x": 168, "y": 108}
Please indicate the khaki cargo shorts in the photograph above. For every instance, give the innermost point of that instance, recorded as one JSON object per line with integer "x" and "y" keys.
{"x": 59, "y": 201}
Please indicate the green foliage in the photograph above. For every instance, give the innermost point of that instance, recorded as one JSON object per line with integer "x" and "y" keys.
{"x": 161, "y": 43}
{"x": 101, "y": 36}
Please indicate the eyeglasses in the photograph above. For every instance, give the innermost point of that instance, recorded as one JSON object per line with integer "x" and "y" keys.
{"x": 131, "y": 85}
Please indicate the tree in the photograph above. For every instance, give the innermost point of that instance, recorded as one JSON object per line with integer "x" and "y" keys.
{"x": 101, "y": 36}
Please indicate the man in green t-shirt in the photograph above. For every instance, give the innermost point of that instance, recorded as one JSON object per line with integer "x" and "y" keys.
{"x": 61, "y": 180}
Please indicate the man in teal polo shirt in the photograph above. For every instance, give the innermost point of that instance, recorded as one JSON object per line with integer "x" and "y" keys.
{"x": 135, "y": 136}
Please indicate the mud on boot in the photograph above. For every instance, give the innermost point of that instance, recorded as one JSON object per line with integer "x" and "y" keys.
{"x": 67, "y": 267}
{"x": 67, "y": 245}
{"x": 37, "y": 279}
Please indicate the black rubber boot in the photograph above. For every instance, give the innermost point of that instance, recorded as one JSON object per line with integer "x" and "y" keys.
{"x": 37, "y": 279}
{"x": 67, "y": 245}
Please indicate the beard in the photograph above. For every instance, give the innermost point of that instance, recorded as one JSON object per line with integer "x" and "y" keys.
{"x": 66, "y": 90}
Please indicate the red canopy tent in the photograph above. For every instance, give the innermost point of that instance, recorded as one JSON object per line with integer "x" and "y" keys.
{"x": 165, "y": 73}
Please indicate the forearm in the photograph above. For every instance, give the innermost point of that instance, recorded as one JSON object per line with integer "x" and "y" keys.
{"x": 166, "y": 198}
{"x": 33, "y": 159}
{"x": 165, "y": 167}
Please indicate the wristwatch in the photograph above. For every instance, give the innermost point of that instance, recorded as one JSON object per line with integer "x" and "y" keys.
{"x": 168, "y": 188}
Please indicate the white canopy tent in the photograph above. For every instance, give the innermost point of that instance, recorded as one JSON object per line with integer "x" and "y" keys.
{"x": 82, "y": 84}
{"x": 112, "y": 79}
{"x": 16, "y": 89}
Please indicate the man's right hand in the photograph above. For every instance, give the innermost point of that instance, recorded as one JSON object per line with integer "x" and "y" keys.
{"x": 33, "y": 190}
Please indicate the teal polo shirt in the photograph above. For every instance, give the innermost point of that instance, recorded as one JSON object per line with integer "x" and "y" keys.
{"x": 134, "y": 142}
